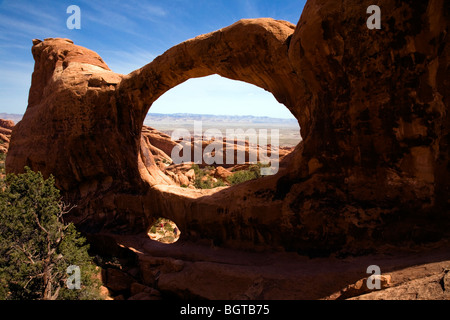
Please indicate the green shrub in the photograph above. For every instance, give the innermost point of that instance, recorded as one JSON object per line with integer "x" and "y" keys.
{"x": 2, "y": 162}
{"x": 200, "y": 182}
{"x": 242, "y": 176}
{"x": 253, "y": 172}
{"x": 36, "y": 246}
{"x": 219, "y": 183}
{"x": 168, "y": 227}
{"x": 203, "y": 184}
{"x": 167, "y": 239}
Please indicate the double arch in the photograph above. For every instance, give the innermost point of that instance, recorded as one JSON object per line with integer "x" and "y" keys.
{"x": 83, "y": 125}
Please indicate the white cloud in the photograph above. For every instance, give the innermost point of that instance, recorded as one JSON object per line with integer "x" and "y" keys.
{"x": 250, "y": 9}
{"x": 14, "y": 45}
{"x": 123, "y": 16}
{"x": 144, "y": 10}
{"x": 30, "y": 11}
{"x": 109, "y": 18}
{"x": 14, "y": 27}
{"x": 124, "y": 62}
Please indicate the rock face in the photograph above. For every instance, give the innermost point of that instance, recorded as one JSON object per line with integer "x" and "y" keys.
{"x": 6, "y": 127}
{"x": 154, "y": 154}
{"x": 5, "y": 134}
{"x": 373, "y": 107}
{"x": 200, "y": 271}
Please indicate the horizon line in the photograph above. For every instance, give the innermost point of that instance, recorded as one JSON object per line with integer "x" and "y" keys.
{"x": 219, "y": 115}
{"x": 186, "y": 114}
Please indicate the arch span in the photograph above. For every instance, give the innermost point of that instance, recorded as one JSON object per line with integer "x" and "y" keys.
{"x": 254, "y": 51}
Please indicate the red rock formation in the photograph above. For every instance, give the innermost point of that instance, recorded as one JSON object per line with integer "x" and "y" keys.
{"x": 222, "y": 173}
{"x": 199, "y": 271}
{"x": 372, "y": 106}
{"x": 153, "y": 158}
{"x": 6, "y": 127}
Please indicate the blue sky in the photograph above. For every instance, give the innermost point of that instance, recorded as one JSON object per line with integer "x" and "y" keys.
{"x": 130, "y": 34}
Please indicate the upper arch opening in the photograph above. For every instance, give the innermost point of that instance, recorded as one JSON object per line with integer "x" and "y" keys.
{"x": 219, "y": 96}
{"x": 231, "y": 132}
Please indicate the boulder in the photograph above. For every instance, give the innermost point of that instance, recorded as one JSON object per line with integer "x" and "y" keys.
{"x": 6, "y": 127}
{"x": 222, "y": 173}
{"x": 117, "y": 280}
{"x": 6, "y": 124}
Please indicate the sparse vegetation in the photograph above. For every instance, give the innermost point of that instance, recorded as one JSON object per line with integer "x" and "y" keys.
{"x": 253, "y": 172}
{"x": 2, "y": 166}
{"x": 204, "y": 179}
{"x": 36, "y": 246}
{"x": 164, "y": 230}
{"x": 204, "y": 176}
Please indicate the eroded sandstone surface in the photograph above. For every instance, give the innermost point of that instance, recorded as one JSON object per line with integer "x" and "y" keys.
{"x": 6, "y": 127}
{"x": 149, "y": 270}
{"x": 373, "y": 107}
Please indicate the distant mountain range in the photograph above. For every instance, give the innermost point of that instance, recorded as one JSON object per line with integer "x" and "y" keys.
{"x": 183, "y": 117}
{"x": 289, "y": 129}
{"x": 11, "y": 116}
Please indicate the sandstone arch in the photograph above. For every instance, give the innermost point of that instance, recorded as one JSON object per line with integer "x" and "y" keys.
{"x": 253, "y": 51}
{"x": 372, "y": 107}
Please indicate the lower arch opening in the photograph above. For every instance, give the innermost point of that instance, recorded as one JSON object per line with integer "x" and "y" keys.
{"x": 164, "y": 230}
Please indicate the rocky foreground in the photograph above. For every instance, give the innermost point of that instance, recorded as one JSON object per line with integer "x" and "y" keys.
{"x": 149, "y": 270}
